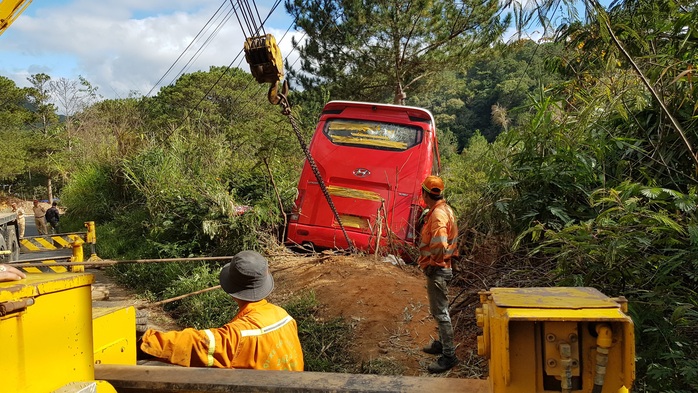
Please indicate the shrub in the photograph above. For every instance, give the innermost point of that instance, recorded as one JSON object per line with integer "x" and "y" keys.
{"x": 643, "y": 245}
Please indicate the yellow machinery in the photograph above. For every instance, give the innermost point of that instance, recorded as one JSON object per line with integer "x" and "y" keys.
{"x": 556, "y": 340}
{"x": 536, "y": 340}
{"x": 9, "y": 11}
{"x": 47, "y": 337}
{"x": 51, "y": 335}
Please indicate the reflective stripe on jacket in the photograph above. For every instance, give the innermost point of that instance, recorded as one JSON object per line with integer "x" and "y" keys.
{"x": 439, "y": 237}
{"x": 261, "y": 336}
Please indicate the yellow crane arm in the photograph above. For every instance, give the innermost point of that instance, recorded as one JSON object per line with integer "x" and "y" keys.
{"x": 10, "y": 10}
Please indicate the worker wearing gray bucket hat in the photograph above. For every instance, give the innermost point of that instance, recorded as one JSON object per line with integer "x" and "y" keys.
{"x": 247, "y": 277}
{"x": 261, "y": 336}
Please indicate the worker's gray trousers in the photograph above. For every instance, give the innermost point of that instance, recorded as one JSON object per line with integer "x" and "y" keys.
{"x": 437, "y": 289}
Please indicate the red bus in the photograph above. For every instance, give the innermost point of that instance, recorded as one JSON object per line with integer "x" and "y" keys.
{"x": 372, "y": 159}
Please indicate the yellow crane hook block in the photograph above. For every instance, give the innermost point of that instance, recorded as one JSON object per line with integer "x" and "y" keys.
{"x": 264, "y": 57}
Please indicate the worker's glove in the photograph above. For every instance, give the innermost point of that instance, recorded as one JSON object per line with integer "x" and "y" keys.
{"x": 141, "y": 322}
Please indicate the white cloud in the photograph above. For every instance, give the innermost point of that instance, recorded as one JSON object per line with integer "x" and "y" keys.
{"x": 120, "y": 46}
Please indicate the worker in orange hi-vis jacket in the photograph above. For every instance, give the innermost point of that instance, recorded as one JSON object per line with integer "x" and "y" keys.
{"x": 438, "y": 244}
{"x": 261, "y": 336}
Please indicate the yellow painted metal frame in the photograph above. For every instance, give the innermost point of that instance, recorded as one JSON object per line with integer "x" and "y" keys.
{"x": 47, "y": 344}
{"x": 523, "y": 328}
{"x": 10, "y": 11}
{"x": 44, "y": 346}
{"x": 114, "y": 335}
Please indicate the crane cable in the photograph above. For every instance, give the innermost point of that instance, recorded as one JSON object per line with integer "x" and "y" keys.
{"x": 263, "y": 56}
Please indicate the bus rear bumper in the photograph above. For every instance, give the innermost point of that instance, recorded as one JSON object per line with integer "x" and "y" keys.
{"x": 324, "y": 237}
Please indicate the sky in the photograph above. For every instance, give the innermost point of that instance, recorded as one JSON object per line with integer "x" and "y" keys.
{"x": 125, "y": 46}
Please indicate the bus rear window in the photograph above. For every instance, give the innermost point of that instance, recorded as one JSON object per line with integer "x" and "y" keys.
{"x": 372, "y": 134}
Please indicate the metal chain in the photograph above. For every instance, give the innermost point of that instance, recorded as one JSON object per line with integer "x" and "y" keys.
{"x": 286, "y": 110}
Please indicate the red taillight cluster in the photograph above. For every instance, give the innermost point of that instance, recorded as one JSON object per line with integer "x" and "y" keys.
{"x": 415, "y": 212}
{"x": 296, "y": 210}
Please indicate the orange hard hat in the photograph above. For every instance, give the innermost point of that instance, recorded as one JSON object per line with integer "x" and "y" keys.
{"x": 433, "y": 185}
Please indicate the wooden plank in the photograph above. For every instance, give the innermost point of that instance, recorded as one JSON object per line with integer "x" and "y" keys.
{"x": 158, "y": 379}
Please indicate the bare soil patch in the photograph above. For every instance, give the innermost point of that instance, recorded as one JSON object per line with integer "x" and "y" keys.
{"x": 387, "y": 305}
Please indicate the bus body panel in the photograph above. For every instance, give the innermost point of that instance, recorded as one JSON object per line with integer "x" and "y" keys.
{"x": 372, "y": 158}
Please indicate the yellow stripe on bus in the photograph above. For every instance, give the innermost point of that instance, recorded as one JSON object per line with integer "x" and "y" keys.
{"x": 354, "y": 193}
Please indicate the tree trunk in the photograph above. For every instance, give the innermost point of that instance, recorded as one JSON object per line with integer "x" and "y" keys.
{"x": 49, "y": 186}
{"x": 399, "y": 95}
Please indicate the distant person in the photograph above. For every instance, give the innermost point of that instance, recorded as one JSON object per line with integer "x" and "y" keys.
{"x": 261, "y": 336}
{"x": 438, "y": 244}
{"x": 9, "y": 273}
{"x": 39, "y": 218}
{"x": 21, "y": 220}
{"x": 53, "y": 216}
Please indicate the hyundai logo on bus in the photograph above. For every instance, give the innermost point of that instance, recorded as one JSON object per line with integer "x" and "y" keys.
{"x": 361, "y": 172}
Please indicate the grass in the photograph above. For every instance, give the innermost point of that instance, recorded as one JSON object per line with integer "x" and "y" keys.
{"x": 325, "y": 343}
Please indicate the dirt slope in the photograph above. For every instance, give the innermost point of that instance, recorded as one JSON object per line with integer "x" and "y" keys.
{"x": 387, "y": 303}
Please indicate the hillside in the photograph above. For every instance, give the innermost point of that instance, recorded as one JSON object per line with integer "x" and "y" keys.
{"x": 386, "y": 304}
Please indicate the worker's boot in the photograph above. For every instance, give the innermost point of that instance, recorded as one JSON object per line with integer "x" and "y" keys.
{"x": 435, "y": 348}
{"x": 443, "y": 363}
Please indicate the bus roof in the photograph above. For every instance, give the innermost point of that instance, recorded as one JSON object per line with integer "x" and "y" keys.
{"x": 413, "y": 110}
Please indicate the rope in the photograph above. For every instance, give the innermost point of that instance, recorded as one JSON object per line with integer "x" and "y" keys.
{"x": 180, "y": 297}
{"x": 286, "y": 110}
{"x": 111, "y": 262}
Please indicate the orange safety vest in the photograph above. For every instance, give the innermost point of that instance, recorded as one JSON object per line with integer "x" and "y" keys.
{"x": 439, "y": 237}
{"x": 261, "y": 336}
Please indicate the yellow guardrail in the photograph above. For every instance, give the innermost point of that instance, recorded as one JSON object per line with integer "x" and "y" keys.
{"x": 50, "y": 242}
{"x": 61, "y": 241}
{"x": 47, "y": 268}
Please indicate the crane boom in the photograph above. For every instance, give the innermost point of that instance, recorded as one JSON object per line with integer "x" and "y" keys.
{"x": 10, "y": 10}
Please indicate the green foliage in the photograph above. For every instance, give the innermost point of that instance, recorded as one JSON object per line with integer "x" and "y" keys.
{"x": 92, "y": 194}
{"x": 553, "y": 166}
{"x": 325, "y": 343}
{"x": 13, "y": 153}
{"x": 13, "y": 100}
{"x": 365, "y": 50}
{"x": 498, "y": 86}
{"x": 189, "y": 206}
{"x": 125, "y": 237}
{"x": 602, "y": 185}
{"x": 472, "y": 193}
{"x": 204, "y": 310}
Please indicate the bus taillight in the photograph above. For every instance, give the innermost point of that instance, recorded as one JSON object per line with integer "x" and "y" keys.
{"x": 415, "y": 213}
{"x": 296, "y": 210}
